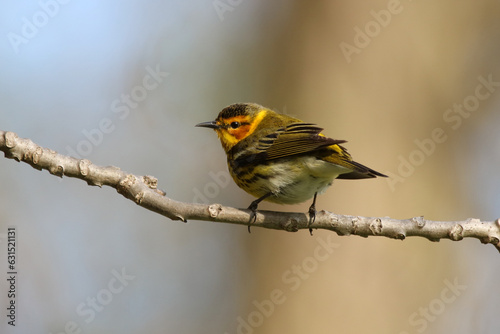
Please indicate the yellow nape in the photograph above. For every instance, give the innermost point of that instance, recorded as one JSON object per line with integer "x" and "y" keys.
{"x": 256, "y": 121}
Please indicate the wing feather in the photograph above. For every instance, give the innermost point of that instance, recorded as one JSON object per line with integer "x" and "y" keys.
{"x": 301, "y": 138}
{"x": 294, "y": 139}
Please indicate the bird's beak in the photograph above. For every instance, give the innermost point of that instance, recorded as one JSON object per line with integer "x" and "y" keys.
{"x": 211, "y": 125}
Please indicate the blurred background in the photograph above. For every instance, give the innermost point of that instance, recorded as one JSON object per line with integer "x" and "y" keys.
{"x": 414, "y": 86}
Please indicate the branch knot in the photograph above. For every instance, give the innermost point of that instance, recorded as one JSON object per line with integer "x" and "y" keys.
{"x": 456, "y": 232}
{"x": 376, "y": 226}
{"x": 214, "y": 210}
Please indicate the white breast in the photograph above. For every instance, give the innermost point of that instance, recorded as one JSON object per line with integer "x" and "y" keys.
{"x": 298, "y": 182}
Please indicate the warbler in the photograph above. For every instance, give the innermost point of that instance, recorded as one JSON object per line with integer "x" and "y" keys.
{"x": 281, "y": 159}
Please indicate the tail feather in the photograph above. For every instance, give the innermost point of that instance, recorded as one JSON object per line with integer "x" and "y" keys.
{"x": 360, "y": 172}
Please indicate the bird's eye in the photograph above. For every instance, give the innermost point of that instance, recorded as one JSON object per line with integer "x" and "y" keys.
{"x": 235, "y": 125}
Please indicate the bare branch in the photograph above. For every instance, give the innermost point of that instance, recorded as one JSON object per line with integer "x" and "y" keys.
{"x": 143, "y": 191}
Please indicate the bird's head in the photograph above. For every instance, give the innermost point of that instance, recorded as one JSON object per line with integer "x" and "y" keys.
{"x": 236, "y": 122}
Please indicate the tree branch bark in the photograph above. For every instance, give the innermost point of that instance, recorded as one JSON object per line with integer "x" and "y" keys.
{"x": 143, "y": 191}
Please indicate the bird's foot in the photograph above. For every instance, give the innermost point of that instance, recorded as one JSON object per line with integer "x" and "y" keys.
{"x": 253, "y": 215}
{"x": 312, "y": 214}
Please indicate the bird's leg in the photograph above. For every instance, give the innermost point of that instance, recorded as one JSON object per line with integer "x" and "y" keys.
{"x": 253, "y": 206}
{"x": 312, "y": 213}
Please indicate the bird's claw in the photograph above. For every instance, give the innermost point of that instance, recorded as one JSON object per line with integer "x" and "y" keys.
{"x": 312, "y": 217}
{"x": 253, "y": 215}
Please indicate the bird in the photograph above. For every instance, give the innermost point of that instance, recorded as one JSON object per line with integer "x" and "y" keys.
{"x": 281, "y": 159}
